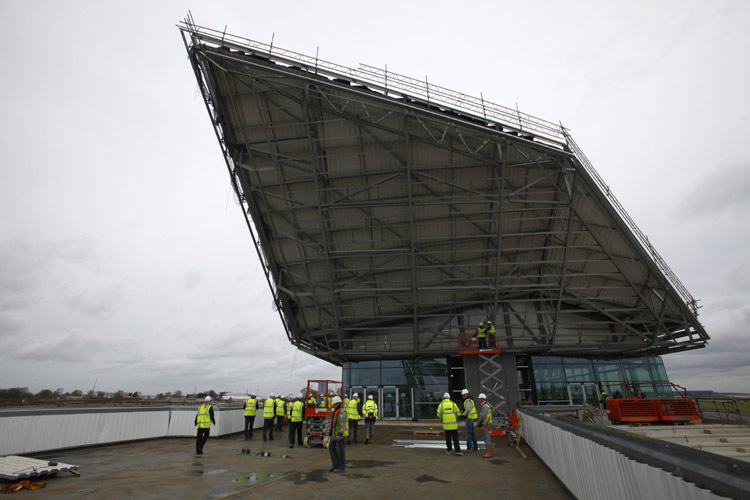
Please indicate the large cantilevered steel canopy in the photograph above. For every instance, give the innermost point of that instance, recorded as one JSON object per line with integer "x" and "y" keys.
{"x": 391, "y": 215}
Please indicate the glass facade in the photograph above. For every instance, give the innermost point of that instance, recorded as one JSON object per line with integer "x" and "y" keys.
{"x": 408, "y": 389}
{"x": 568, "y": 380}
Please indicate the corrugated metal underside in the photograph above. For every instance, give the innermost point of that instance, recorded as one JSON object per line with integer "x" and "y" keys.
{"x": 387, "y": 226}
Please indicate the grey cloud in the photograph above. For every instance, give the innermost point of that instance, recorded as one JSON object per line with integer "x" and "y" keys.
{"x": 721, "y": 191}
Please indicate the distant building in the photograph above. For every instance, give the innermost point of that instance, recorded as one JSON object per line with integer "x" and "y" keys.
{"x": 392, "y": 216}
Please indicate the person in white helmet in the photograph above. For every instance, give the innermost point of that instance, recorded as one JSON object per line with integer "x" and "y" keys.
{"x": 352, "y": 413}
{"x": 203, "y": 421}
{"x": 470, "y": 412}
{"x": 491, "y": 342}
{"x": 370, "y": 412}
{"x": 269, "y": 413}
{"x": 339, "y": 429}
{"x": 485, "y": 423}
{"x": 481, "y": 336}
{"x": 448, "y": 412}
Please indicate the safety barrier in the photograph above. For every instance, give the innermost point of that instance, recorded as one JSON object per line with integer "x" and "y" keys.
{"x": 598, "y": 462}
{"x": 35, "y": 430}
{"x": 651, "y": 410}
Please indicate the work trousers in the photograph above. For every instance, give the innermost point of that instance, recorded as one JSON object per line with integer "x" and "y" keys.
{"x": 268, "y": 426}
{"x": 452, "y": 435}
{"x": 486, "y": 435}
{"x": 353, "y": 426}
{"x": 295, "y": 428}
{"x": 201, "y": 438}
{"x": 337, "y": 449}
{"x": 471, "y": 435}
{"x": 370, "y": 427}
{"x": 279, "y": 423}
{"x": 249, "y": 422}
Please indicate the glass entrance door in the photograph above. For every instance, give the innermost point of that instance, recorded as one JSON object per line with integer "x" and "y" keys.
{"x": 583, "y": 394}
{"x": 591, "y": 394}
{"x": 389, "y": 402}
{"x": 575, "y": 394}
{"x": 405, "y": 400}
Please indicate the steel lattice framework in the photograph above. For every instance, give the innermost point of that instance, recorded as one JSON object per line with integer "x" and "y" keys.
{"x": 391, "y": 215}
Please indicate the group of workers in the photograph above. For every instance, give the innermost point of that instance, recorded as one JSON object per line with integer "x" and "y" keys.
{"x": 449, "y": 413}
{"x": 485, "y": 335}
{"x": 344, "y": 422}
{"x": 276, "y": 409}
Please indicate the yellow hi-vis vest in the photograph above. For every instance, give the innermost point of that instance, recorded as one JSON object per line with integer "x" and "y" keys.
{"x": 448, "y": 412}
{"x": 250, "y": 409}
{"x": 297, "y": 409}
{"x": 204, "y": 417}
{"x": 268, "y": 411}
{"x": 473, "y": 412}
{"x": 481, "y": 333}
{"x": 492, "y": 330}
{"x": 312, "y": 402}
{"x": 370, "y": 409}
{"x": 352, "y": 411}
{"x": 280, "y": 407}
{"x": 488, "y": 419}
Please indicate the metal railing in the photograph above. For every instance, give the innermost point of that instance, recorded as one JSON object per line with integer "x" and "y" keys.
{"x": 691, "y": 302}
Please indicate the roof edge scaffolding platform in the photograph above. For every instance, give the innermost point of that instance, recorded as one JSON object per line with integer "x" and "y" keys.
{"x": 390, "y": 215}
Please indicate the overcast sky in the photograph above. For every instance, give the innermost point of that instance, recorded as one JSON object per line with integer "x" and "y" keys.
{"x": 125, "y": 262}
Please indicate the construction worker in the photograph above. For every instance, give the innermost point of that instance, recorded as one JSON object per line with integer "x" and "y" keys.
{"x": 295, "y": 420}
{"x": 352, "y": 412}
{"x": 448, "y": 412}
{"x": 491, "y": 335}
{"x": 312, "y": 401}
{"x": 470, "y": 412}
{"x": 370, "y": 411}
{"x": 485, "y": 423}
{"x": 481, "y": 335}
{"x": 603, "y": 398}
{"x": 339, "y": 431}
{"x": 269, "y": 413}
{"x": 250, "y": 411}
{"x": 280, "y": 413}
{"x": 203, "y": 421}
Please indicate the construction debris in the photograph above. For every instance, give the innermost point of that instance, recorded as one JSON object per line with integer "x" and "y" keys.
{"x": 14, "y": 467}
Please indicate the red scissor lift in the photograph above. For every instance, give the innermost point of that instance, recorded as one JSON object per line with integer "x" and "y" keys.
{"x": 468, "y": 344}
{"x": 318, "y": 408}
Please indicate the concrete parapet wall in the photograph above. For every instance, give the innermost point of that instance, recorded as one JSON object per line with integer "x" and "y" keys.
{"x": 32, "y": 431}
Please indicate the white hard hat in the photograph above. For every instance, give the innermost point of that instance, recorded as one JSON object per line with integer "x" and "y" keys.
{"x": 482, "y": 396}
{"x": 369, "y": 397}
{"x": 207, "y": 398}
{"x": 446, "y": 396}
{"x": 465, "y": 391}
{"x": 489, "y": 322}
{"x": 481, "y": 323}
{"x": 355, "y": 395}
{"x": 335, "y": 400}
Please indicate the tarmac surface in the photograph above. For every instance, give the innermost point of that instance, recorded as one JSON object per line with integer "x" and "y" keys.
{"x": 231, "y": 467}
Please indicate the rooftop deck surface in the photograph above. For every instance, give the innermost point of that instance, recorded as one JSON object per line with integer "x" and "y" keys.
{"x": 231, "y": 467}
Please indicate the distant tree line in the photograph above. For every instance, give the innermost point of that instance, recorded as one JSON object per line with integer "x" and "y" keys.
{"x": 22, "y": 395}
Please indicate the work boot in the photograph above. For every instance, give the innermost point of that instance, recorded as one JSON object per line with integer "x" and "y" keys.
{"x": 469, "y": 450}
{"x": 489, "y": 453}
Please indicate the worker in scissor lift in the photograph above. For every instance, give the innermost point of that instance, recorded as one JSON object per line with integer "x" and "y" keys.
{"x": 481, "y": 335}
{"x": 491, "y": 335}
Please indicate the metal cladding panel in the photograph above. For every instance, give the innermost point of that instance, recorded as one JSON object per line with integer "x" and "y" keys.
{"x": 592, "y": 471}
{"x": 31, "y": 431}
{"x": 380, "y": 213}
